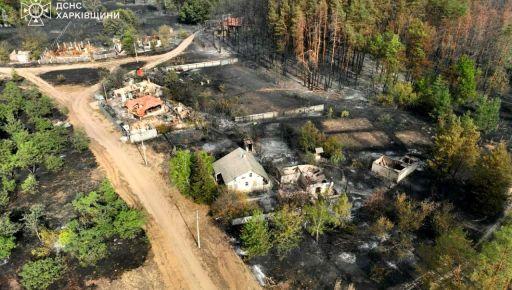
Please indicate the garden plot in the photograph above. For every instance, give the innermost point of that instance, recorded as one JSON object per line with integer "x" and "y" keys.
{"x": 255, "y": 92}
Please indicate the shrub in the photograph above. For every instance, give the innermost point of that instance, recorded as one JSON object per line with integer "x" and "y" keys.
{"x": 30, "y": 184}
{"x": 7, "y": 244}
{"x": 42, "y": 273}
{"x": 403, "y": 94}
{"x": 345, "y": 114}
{"x": 80, "y": 141}
{"x": 61, "y": 78}
{"x": 230, "y": 205}
{"x": 382, "y": 227}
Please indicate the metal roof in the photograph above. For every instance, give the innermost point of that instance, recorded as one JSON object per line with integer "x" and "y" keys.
{"x": 236, "y": 163}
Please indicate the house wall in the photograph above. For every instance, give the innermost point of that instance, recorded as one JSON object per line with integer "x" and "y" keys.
{"x": 385, "y": 171}
{"x": 248, "y": 182}
{"x": 406, "y": 171}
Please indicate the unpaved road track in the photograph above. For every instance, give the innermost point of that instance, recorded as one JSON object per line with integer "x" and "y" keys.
{"x": 183, "y": 265}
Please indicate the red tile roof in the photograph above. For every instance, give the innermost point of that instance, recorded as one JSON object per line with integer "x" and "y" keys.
{"x": 140, "y": 105}
{"x": 233, "y": 21}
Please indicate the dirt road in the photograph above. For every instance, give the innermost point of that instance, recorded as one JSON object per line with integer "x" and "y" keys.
{"x": 183, "y": 265}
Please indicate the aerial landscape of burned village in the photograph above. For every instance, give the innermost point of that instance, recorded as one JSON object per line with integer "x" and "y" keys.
{"x": 255, "y": 144}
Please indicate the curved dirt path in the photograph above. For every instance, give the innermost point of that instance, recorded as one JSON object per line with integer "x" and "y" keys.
{"x": 183, "y": 265}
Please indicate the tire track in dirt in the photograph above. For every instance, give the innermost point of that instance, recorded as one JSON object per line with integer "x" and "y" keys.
{"x": 183, "y": 266}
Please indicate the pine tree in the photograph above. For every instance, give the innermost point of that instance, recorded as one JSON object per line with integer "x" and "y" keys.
{"x": 202, "y": 185}
{"x": 455, "y": 147}
{"x": 494, "y": 264}
{"x": 287, "y": 232}
{"x": 492, "y": 180}
{"x": 256, "y": 236}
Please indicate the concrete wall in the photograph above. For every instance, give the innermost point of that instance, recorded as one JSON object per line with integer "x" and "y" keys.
{"x": 185, "y": 67}
{"x": 286, "y": 114}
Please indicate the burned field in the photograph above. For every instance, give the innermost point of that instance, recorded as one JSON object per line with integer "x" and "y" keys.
{"x": 82, "y": 77}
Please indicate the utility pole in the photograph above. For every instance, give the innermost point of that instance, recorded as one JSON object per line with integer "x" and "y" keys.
{"x": 105, "y": 91}
{"x": 197, "y": 227}
{"x": 144, "y": 153}
{"x": 136, "y": 55}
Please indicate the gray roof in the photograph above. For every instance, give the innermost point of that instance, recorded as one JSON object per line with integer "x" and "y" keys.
{"x": 236, "y": 163}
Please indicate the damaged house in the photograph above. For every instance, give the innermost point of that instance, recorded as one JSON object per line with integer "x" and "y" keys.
{"x": 20, "y": 56}
{"x": 134, "y": 90}
{"x": 395, "y": 169}
{"x": 308, "y": 180}
{"x": 146, "y": 106}
{"x": 240, "y": 171}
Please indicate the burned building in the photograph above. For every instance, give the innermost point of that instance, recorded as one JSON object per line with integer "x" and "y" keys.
{"x": 135, "y": 90}
{"x": 395, "y": 169}
{"x": 146, "y": 106}
{"x": 308, "y": 179}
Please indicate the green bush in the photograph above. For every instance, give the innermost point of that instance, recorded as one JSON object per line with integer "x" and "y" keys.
{"x": 194, "y": 11}
{"x": 41, "y": 274}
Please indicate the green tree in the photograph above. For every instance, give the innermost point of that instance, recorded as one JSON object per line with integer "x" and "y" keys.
{"x": 194, "y": 11}
{"x": 465, "y": 84}
{"x": 41, "y": 274}
{"x": 456, "y": 148}
{"x": 118, "y": 26}
{"x": 493, "y": 268}
{"x": 128, "y": 223}
{"x": 255, "y": 235}
{"x": 443, "y": 219}
{"x": 180, "y": 167}
{"x": 53, "y": 163}
{"x": 487, "y": 114}
{"x": 318, "y": 218}
{"x": 32, "y": 219}
{"x": 342, "y": 210}
{"x": 80, "y": 140}
{"x": 202, "y": 185}
{"x": 5, "y": 50}
{"x": 334, "y": 150}
{"x": 7, "y": 244}
{"x": 7, "y": 227}
{"x": 310, "y": 137}
{"x": 411, "y": 214}
{"x": 435, "y": 95}
{"x": 450, "y": 258}
{"x": 403, "y": 94}
{"x": 165, "y": 34}
{"x": 287, "y": 231}
{"x": 33, "y": 40}
{"x": 128, "y": 40}
{"x": 30, "y": 184}
{"x": 492, "y": 180}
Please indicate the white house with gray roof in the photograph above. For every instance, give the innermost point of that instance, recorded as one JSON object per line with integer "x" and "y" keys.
{"x": 240, "y": 171}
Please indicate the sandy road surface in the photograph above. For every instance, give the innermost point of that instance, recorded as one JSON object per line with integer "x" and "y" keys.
{"x": 183, "y": 265}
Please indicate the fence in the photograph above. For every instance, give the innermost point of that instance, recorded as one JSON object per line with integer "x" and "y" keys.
{"x": 285, "y": 114}
{"x": 185, "y": 67}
